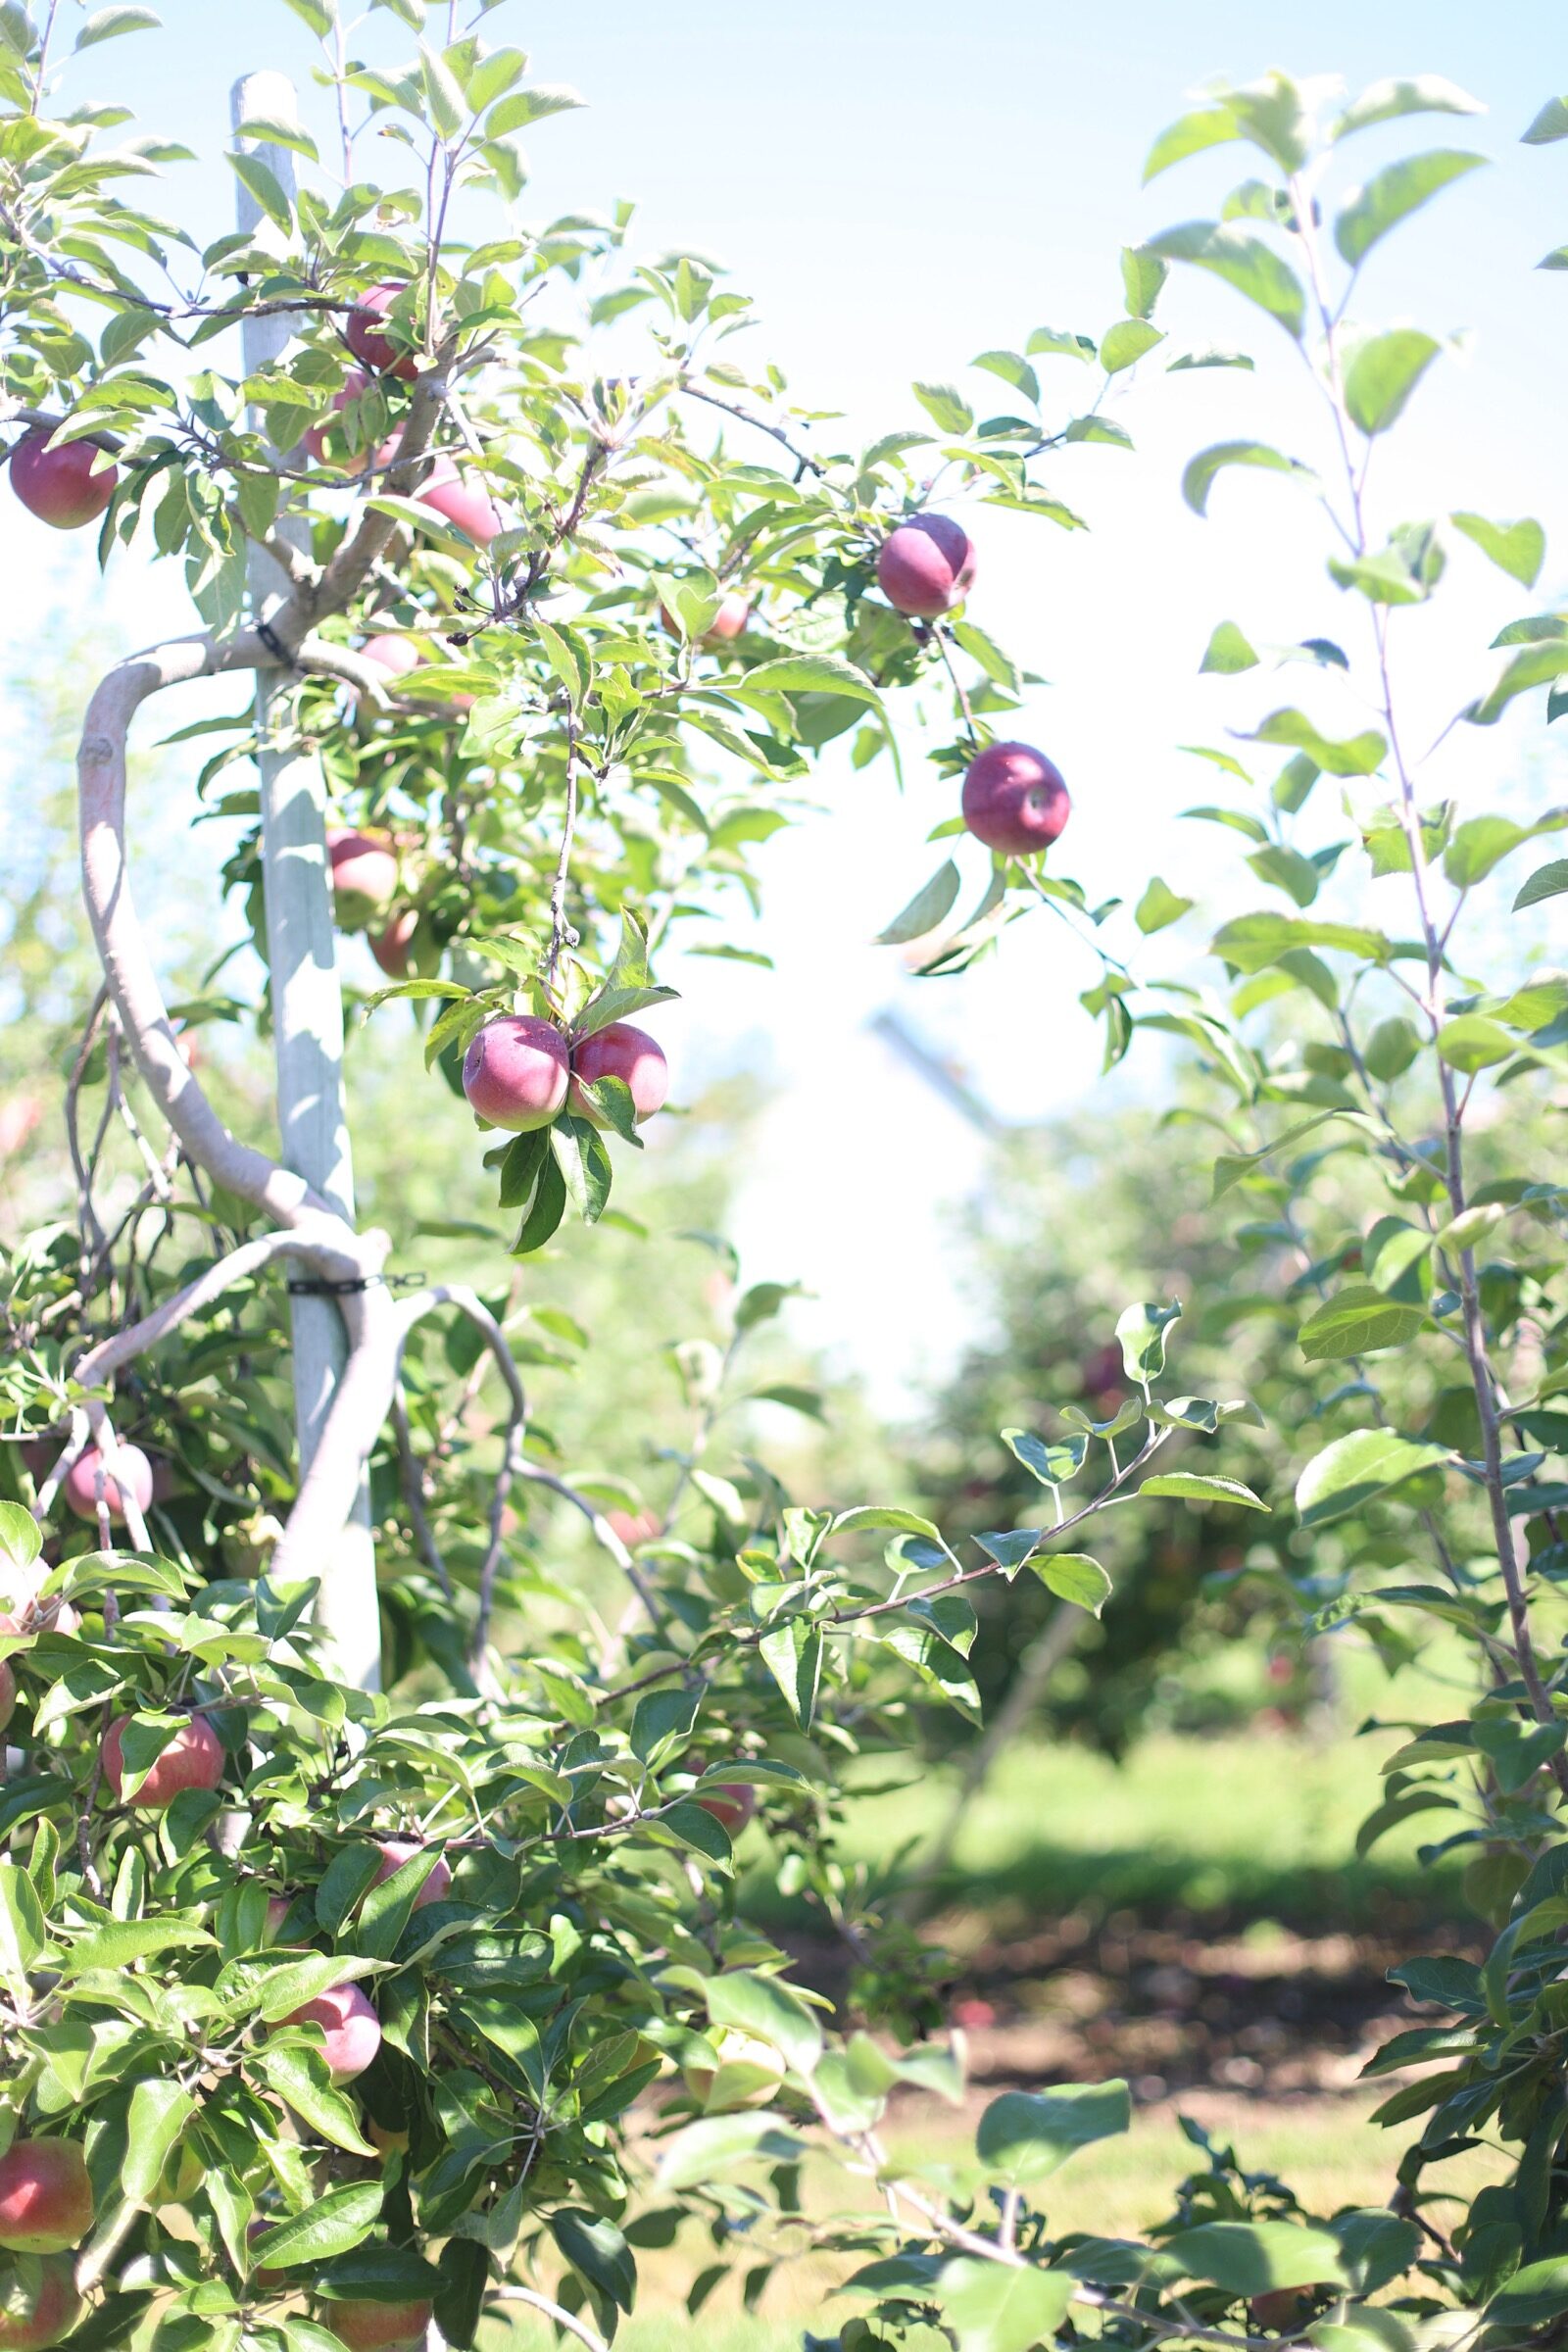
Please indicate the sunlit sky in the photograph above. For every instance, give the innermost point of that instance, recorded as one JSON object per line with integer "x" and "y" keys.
{"x": 902, "y": 187}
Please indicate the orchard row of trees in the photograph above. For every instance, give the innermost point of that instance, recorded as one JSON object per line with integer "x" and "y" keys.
{"x": 335, "y": 2012}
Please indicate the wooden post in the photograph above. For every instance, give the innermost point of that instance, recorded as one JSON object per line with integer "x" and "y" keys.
{"x": 307, "y": 1000}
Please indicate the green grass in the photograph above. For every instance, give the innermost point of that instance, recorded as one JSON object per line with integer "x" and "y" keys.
{"x": 1252, "y": 1823}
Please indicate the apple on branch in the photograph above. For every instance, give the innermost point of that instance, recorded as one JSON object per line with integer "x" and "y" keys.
{"x": 367, "y": 338}
{"x": 926, "y": 566}
{"x": 515, "y": 1072}
{"x": 193, "y": 1759}
{"x": 619, "y": 1052}
{"x": 66, "y": 486}
{"x": 1014, "y": 799}
{"x": 88, "y": 1478}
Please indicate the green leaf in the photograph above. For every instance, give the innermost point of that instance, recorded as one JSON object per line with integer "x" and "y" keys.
{"x": 1190, "y": 134}
{"x": 1393, "y": 194}
{"x": 997, "y": 2307}
{"x": 1158, "y": 906}
{"x": 1254, "y": 2257}
{"x": 333, "y": 2222}
{"x": 1537, "y": 665}
{"x": 1535, "y": 2294}
{"x": 1126, "y": 343}
{"x": 1355, "y": 756}
{"x": 262, "y": 184}
{"x": 1198, "y": 479}
{"x": 925, "y": 910}
{"x": 774, "y": 2012}
{"x": 114, "y": 1948}
{"x": 792, "y": 1652}
{"x": 532, "y": 106}
{"x": 158, "y": 2115}
{"x": 1383, "y": 372}
{"x": 21, "y": 1539}
{"x": 1245, "y": 261}
{"x": 1141, "y": 1330}
{"x": 1547, "y": 882}
{"x": 597, "y": 2250}
{"x": 810, "y": 673}
{"x": 1473, "y": 1043}
{"x": 1227, "y": 651}
{"x": 1388, "y": 101}
{"x": 1253, "y": 942}
{"x": 1012, "y": 371}
{"x": 1073, "y": 1576}
{"x": 1026, "y": 2135}
{"x": 1354, "y": 1320}
{"x": 1288, "y": 870}
{"x": 1550, "y": 125}
{"x": 1143, "y": 274}
{"x": 1357, "y": 1469}
{"x": 706, "y": 2150}
{"x": 945, "y": 407}
{"x": 1516, "y": 547}
{"x": 1190, "y": 1486}
{"x": 545, "y": 1212}
{"x": 107, "y": 24}
{"x": 1053, "y": 1466}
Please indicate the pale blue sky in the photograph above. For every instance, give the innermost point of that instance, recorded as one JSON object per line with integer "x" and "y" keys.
{"x": 902, "y": 187}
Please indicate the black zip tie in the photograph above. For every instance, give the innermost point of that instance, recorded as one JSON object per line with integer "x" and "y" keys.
{"x": 276, "y": 647}
{"x": 319, "y": 1287}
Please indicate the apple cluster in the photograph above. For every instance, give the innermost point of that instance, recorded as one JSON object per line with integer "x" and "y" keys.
{"x": 1013, "y": 797}
{"x": 520, "y": 1071}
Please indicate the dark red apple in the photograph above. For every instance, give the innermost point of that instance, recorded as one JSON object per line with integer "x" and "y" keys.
{"x": 32, "y": 2318}
{"x": 59, "y": 485}
{"x": 926, "y": 566}
{"x": 515, "y": 1072}
{"x": 732, "y": 1804}
{"x": 370, "y": 341}
{"x": 1014, "y": 799}
{"x": 193, "y": 1759}
{"x": 394, "y": 1852}
{"x": 134, "y": 1477}
{"x": 46, "y": 2200}
{"x": 266, "y": 2279}
{"x": 625, "y": 1053}
{"x": 380, "y": 2327}
{"x": 364, "y": 875}
{"x": 352, "y": 2028}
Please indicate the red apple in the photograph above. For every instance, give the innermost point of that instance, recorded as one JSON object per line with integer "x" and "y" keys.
{"x": 1014, "y": 799}
{"x": 18, "y": 1116}
{"x": 278, "y": 1907}
{"x": 364, "y": 875}
{"x": 515, "y": 1072}
{"x": 193, "y": 1759}
{"x": 380, "y": 2327}
{"x": 346, "y": 460}
{"x": 926, "y": 566}
{"x": 369, "y": 342}
{"x": 399, "y": 654}
{"x": 352, "y": 2028}
{"x": 32, "y": 2318}
{"x": 390, "y": 947}
{"x": 625, "y": 1053}
{"x": 59, "y": 485}
{"x": 467, "y": 506}
{"x": 134, "y": 1477}
{"x": 46, "y": 2200}
{"x": 634, "y": 1527}
{"x": 394, "y": 1852}
{"x": 732, "y": 1804}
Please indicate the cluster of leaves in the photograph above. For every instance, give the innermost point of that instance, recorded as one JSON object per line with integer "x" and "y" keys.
{"x": 1403, "y": 1229}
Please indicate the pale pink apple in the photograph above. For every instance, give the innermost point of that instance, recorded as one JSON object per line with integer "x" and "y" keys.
{"x": 625, "y": 1053}
{"x": 346, "y": 460}
{"x": 394, "y": 1852}
{"x": 378, "y": 2327}
{"x": 193, "y": 1759}
{"x": 89, "y": 1476}
{"x": 926, "y": 566}
{"x": 351, "y": 2026}
{"x": 732, "y": 1804}
{"x": 391, "y": 947}
{"x": 32, "y": 2317}
{"x": 515, "y": 1072}
{"x": 365, "y": 874}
